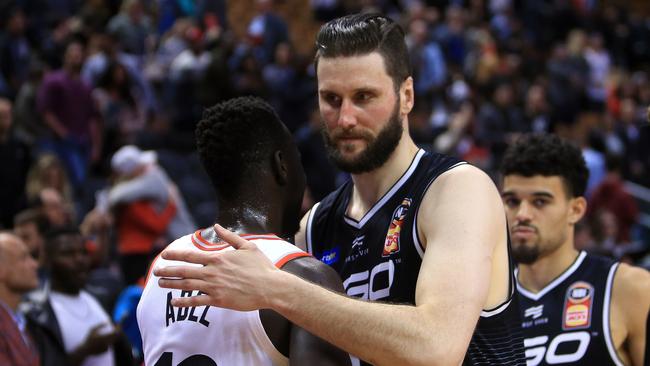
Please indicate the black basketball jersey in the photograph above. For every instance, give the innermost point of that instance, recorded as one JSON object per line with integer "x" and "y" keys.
{"x": 379, "y": 257}
{"x": 567, "y": 322}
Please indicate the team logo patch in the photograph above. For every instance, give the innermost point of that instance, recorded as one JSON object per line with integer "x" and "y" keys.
{"x": 391, "y": 245}
{"x": 330, "y": 256}
{"x": 578, "y": 304}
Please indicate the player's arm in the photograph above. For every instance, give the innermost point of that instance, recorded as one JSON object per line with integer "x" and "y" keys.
{"x": 305, "y": 348}
{"x": 451, "y": 292}
{"x": 631, "y": 297}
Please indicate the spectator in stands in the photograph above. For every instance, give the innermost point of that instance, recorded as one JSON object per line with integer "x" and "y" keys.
{"x": 610, "y": 196}
{"x": 122, "y": 108}
{"x": 30, "y": 226}
{"x": 48, "y": 172}
{"x": 69, "y": 111}
{"x": 536, "y": 109}
{"x": 148, "y": 209}
{"x": 15, "y": 156}
{"x": 266, "y": 31}
{"x": 500, "y": 121}
{"x": 15, "y": 50}
{"x": 69, "y": 325}
{"x": 17, "y": 277}
{"x": 132, "y": 27}
{"x": 428, "y": 62}
{"x": 29, "y": 124}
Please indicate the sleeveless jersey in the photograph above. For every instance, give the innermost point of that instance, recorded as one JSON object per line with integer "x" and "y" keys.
{"x": 567, "y": 322}
{"x": 379, "y": 257}
{"x": 205, "y": 335}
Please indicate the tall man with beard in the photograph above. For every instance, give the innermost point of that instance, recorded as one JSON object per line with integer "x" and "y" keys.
{"x": 421, "y": 232}
{"x": 577, "y": 308}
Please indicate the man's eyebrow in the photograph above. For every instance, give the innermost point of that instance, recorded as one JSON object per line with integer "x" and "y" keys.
{"x": 536, "y": 194}
{"x": 543, "y": 194}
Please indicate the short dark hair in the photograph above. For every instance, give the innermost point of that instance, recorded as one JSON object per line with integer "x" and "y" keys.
{"x": 361, "y": 34}
{"x": 33, "y": 215}
{"x": 234, "y": 138}
{"x": 547, "y": 155}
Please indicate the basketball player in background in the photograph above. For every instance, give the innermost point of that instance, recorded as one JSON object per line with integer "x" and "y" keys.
{"x": 255, "y": 168}
{"x": 577, "y": 308}
{"x": 422, "y": 231}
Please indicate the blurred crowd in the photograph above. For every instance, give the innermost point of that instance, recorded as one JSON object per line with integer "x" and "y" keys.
{"x": 99, "y": 100}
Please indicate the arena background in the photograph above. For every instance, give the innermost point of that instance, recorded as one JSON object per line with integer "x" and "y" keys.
{"x": 485, "y": 72}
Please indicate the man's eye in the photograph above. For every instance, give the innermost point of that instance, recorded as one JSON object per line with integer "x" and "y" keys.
{"x": 332, "y": 100}
{"x": 511, "y": 202}
{"x": 363, "y": 97}
{"x": 539, "y": 202}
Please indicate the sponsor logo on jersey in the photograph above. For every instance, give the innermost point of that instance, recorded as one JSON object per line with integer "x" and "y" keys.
{"x": 578, "y": 304}
{"x": 534, "y": 311}
{"x": 358, "y": 242}
{"x": 391, "y": 245}
{"x": 533, "y": 316}
{"x": 357, "y": 249}
{"x": 330, "y": 256}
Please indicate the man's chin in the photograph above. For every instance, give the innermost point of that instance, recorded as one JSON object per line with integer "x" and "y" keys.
{"x": 525, "y": 254}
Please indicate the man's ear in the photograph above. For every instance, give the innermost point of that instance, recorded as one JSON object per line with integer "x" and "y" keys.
{"x": 577, "y": 209}
{"x": 407, "y": 96}
{"x": 279, "y": 168}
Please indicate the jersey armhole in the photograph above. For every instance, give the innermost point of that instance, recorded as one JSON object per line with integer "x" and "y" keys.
{"x": 308, "y": 229}
{"x": 607, "y": 302}
{"x": 416, "y": 236}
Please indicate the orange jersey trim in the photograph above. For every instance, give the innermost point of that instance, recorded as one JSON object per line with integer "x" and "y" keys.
{"x": 201, "y": 243}
{"x": 284, "y": 260}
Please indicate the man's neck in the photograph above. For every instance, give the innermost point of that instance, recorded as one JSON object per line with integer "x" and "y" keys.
{"x": 9, "y": 298}
{"x": 370, "y": 187}
{"x": 534, "y": 277}
{"x": 246, "y": 220}
{"x": 57, "y": 287}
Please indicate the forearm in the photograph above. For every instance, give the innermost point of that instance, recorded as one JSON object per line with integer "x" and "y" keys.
{"x": 77, "y": 357}
{"x": 383, "y": 334}
{"x": 53, "y": 123}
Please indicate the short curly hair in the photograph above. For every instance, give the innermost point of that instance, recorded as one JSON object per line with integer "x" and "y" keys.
{"x": 233, "y": 138}
{"x": 547, "y": 155}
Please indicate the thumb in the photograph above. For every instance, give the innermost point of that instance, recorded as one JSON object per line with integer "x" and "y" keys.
{"x": 231, "y": 238}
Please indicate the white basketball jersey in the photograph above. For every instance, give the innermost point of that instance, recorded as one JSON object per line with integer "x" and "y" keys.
{"x": 207, "y": 336}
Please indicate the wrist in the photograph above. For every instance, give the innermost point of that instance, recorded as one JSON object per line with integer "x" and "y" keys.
{"x": 282, "y": 290}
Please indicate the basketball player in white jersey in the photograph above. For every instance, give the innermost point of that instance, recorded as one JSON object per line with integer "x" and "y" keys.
{"x": 255, "y": 168}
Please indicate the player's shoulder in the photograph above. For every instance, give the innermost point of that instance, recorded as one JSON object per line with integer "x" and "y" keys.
{"x": 632, "y": 281}
{"x": 463, "y": 172}
{"x": 463, "y": 185}
{"x": 184, "y": 242}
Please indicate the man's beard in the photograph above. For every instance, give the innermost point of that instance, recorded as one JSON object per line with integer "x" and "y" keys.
{"x": 525, "y": 254}
{"x": 377, "y": 151}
